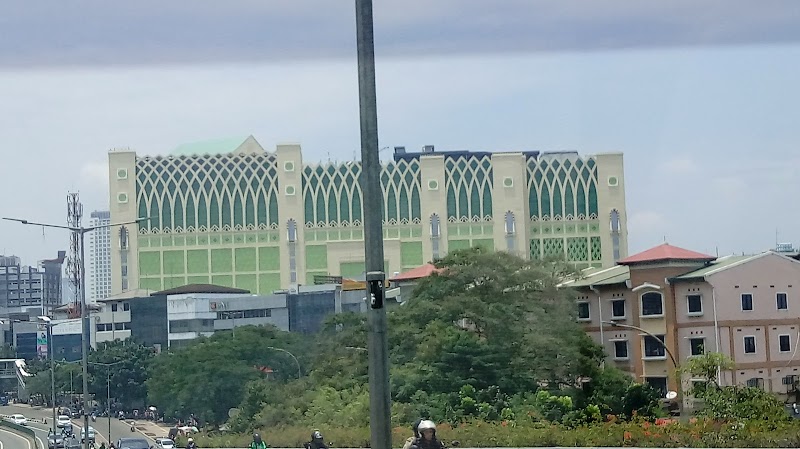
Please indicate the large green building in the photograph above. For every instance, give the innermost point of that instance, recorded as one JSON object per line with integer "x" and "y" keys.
{"x": 230, "y": 213}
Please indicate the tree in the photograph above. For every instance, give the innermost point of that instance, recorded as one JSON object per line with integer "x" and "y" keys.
{"x": 124, "y": 364}
{"x": 206, "y": 377}
{"x": 706, "y": 367}
{"x": 742, "y": 404}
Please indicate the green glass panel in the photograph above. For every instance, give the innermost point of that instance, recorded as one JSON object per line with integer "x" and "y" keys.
{"x": 227, "y": 215}
{"x": 487, "y": 200}
{"x": 391, "y": 204}
{"x": 316, "y": 257}
{"x": 357, "y": 212}
{"x": 269, "y": 282}
{"x": 558, "y": 202}
{"x": 155, "y": 222}
{"x": 451, "y": 202}
{"x": 333, "y": 207}
{"x": 247, "y": 282}
{"x": 545, "y": 197}
{"x": 262, "y": 208}
{"x": 569, "y": 200}
{"x": 536, "y": 249}
{"x": 249, "y": 210}
{"x": 178, "y": 221}
{"x": 553, "y": 248}
{"x": 533, "y": 200}
{"x": 592, "y": 199}
{"x": 173, "y": 262}
{"x": 213, "y": 211}
{"x": 149, "y": 263}
{"x": 166, "y": 213}
{"x": 197, "y": 261}
{"x": 197, "y": 280}
{"x": 202, "y": 210}
{"x": 222, "y": 280}
{"x": 191, "y": 212}
{"x": 245, "y": 259}
{"x": 475, "y": 201}
{"x": 344, "y": 207}
{"x": 153, "y": 284}
{"x": 411, "y": 254}
{"x": 269, "y": 258}
{"x": 351, "y": 269}
{"x": 463, "y": 201}
{"x": 221, "y": 261}
{"x": 174, "y": 282}
{"x": 238, "y": 211}
{"x": 580, "y": 199}
{"x": 320, "y": 206}
{"x": 487, "y": 244}
{"x": 142, "y": 209}
{"x": 453, "y": 245}
{"x": 577, "y": 249}
{"x": 416, "y": 213}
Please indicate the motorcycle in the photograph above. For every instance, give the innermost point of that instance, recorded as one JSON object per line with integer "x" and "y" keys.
{"x": 133, "y": 426}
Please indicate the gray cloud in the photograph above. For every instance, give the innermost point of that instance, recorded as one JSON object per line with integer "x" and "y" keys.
{"x": 84, "y": 32}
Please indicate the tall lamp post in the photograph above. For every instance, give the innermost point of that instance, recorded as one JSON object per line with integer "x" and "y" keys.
{"x": 81, "y": 231}
{"x": 299, "y": 373}
{"x": 666, "y": 349}
{"x": 47, "y": 322}
{"x": 108, "y": 391}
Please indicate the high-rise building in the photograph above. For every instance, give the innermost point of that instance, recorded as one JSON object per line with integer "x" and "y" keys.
{"x": 30, "y": 290}
{"x": 232, "y": 214}
{"x": 98, "y": 269}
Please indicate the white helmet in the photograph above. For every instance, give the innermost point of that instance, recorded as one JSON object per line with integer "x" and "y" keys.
{"x": 426, "y": 425}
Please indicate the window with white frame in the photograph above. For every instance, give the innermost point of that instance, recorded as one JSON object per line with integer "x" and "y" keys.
{"x": 749, "y": 344}
{"x": 785, "y": 343}
{"x": 782, "y": 301}
{"x": 747, "y": 302}
{"x": 697, "y": 345}
{"x": 621, "y": 349}
{"x": 654, "y": 347}
{"x": 652, "y": 304}
{"x": 583, "y": 311}
{"x": 618, "y": 308}
{"x": 694, "y": 304}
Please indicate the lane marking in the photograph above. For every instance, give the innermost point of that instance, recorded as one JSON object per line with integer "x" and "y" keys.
{"x": 18, "y": 436}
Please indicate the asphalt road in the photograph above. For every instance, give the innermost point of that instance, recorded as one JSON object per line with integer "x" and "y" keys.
{"x": 119, "y": 429}
{"x": 10, "y": 440}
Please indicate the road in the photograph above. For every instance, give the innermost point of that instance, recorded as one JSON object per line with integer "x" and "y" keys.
{"x": 10, "y": 440}
{"x": 119, "y": 428}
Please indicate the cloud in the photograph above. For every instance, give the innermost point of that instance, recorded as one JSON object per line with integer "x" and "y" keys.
{"x": 646, "y": 221}
{"x": 95, "y": 174}
{"x": 681, "y": 165}
{"x": 90, "y": 32}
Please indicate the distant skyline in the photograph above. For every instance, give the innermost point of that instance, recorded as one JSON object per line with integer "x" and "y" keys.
{"x": 702, "y": 98}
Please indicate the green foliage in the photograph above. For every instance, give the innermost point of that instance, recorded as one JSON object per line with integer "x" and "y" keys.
{"x": 120, "y": 366}
{"x": 743, "y": 404}
{"x": 206, "y": 378}
{"x": 642, "y": 400}
{"x": 550, "y": 407}
{"x": 706, "y": 366}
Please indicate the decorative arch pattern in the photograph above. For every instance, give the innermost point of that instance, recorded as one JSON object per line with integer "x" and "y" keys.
{"x": 332, "y": 194}
{"x": 468, "y": 181}
{"x": 210, "y": 193}
{"x": 562, "y": 188}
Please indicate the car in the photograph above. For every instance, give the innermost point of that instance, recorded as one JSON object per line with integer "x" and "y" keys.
{"x": 165, "y": 443}
{"x": 55, "y": 441}
{"x": 132, "y": 443}
{"x": 91, "y": 434}
{"x": 63, "y": 421}
{"x": 18, "y": 419}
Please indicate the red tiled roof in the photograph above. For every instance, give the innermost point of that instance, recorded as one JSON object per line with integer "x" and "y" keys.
{"x": 665, "y": 252}
{"x": 417, "y": 273}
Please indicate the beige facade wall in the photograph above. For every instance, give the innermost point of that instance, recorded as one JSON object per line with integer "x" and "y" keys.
{"x": 122, "y": 186}
{"x": 610, "y": 167}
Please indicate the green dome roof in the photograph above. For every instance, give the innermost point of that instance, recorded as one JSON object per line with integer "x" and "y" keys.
{"x": 214, "y": 146}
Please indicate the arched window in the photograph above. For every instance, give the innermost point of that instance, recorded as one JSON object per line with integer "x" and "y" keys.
{"x": 436, "y": 232}
{"x": 291, "y": 236}
{"x": 291, "y": 230}
{"x": 510, "y": 225}
{"x": 652, "y": 304}
{"x": 614, "y": 223}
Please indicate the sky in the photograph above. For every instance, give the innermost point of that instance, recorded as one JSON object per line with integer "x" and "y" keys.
{"x": 701, "y": 96}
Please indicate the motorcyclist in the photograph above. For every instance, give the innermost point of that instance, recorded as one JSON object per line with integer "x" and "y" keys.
{"x": 427, "y": 439}
{"x": 257, "y": 442}
{"x": 317, "y": 441}
{"x": 190, "y": 444}
{"x": 102, "y": 445}
{"x": 410, "y": 440}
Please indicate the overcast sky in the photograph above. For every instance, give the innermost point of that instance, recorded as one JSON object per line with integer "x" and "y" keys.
{"x": 701, "y": 96}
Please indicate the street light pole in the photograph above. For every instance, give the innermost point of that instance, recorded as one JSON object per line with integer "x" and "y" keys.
{"x": 379, "y": 389}
{"x": 299, "y": 374}
{"x": 47, "y": 323}
{"x": 85, "y": 331}
{"x": 666, "y": 349}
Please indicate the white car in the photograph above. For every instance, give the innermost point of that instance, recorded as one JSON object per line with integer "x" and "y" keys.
{"x": 18, "y": 419}
{"x": 91, "y": 434}
{"x": 63, "y": 421}
{"x": 165, "y": 443}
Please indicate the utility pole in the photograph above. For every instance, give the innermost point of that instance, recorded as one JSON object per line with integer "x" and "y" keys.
{"x": 379, "y": 389}
{"x": 81, "y": 232}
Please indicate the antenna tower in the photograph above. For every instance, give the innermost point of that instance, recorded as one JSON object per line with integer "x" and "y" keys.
{"x": 74, "y": 216}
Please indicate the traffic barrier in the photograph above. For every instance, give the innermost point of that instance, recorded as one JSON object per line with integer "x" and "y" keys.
{"x": 20, "y": 430}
